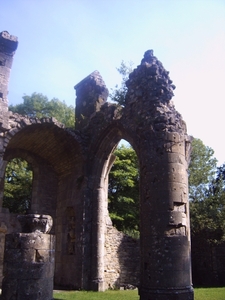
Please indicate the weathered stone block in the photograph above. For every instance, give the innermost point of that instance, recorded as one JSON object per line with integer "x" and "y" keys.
{"x": 15, "y": 255}
{"x": 33, "y": 290}
{"x": 9, "y": 288}
{"x": 38, "y": 241}
{"x": 175, "y": 218}
{"x": 28, "y": 269}
{"x": 35, "y": 223}
{"x": 174, "y": 137}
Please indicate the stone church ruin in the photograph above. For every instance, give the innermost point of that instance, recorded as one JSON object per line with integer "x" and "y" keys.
{"x": 70, "y": 182}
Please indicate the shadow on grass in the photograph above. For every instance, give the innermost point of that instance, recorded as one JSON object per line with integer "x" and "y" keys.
{"x": 52, "y": 298}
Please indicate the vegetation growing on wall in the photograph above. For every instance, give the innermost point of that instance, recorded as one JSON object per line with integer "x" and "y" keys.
{"x": 118, "y": 94}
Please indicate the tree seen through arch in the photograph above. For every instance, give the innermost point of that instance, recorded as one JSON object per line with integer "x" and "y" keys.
{"x": 123, "y": 190}
{"x": 18, "y": 186}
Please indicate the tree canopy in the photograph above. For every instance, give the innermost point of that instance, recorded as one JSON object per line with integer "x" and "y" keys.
{"x": 18, "y": 186}
{"x": 207, "y": 194}
{"x": 202, "y": 169}
{"x": 38, "y": 106}
{"x": 118, "y": 94}
{"x": 124, "y": 190}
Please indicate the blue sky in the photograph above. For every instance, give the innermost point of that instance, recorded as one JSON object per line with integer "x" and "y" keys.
{"x": 63, "y": 41}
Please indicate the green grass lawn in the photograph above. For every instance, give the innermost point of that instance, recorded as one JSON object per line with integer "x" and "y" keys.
{"x": 209, "y": 293}
{"x": 109, "y": 295}
{"x": 200, "y": 294}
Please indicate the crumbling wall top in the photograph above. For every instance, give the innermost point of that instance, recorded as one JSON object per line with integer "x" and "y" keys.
{"x": 91, "y": 94}
{"x": 149, "y": 95}
{"x": 150, "y": 80}
{"x": 8, "y": 43}
{"x": 94, "y": 77}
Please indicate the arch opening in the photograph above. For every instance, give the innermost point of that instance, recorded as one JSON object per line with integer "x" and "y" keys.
{"x": 57, "y": 189}
{"x": 123, "y": 190}
{"x": 18, "y": 186}
{"x": 112, "y": 249}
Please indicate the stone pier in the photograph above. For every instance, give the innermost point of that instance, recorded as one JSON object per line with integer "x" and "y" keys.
{"x": 29, "y": 260}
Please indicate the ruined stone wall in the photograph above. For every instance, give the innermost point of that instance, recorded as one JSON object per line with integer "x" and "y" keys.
{"x": 208, "y": 263}
{"x": 122, "y": 260}
{"x": 8, "y": 224}
{"x": 57, "y": 183}
{"x": 157, "y": 132}
{"x": 29, "y": 260}
{"x": 76, "y": 165}
{"x": 8, "y": 46}
{"x": 91, "y": 95}
{"x": 69, "y": 238}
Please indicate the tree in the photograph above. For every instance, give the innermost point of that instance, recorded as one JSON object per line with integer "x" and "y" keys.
{"x": 38, "y": 106}
{"x": 18, "y": 175}
{"x": 124, "y": 190}
{"x": 207, "y": 194}
{"x": 202, "y": 170}
{"x": 18, "y": 186}
{"x": 119, "y": 93}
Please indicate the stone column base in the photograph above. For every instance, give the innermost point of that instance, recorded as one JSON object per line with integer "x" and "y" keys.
{"x": 28, "y": 266}
{"x": 98, "y": 286}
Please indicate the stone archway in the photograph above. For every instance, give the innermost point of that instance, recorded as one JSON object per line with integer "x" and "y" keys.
{"x": 29, "y": 142}
{"x": 101, "y": 163}
{"x": 56, "y": 157}
{"x": 81, "y": 159}
{"x": 158, "y": 134}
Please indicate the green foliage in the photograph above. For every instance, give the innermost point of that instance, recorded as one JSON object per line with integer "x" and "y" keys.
{"x": 38, "y": 106}
{"x": 18, "y": 186}
{"x": 207, "y": 195}
{"x": 207, "y": 219}
{"x": 202, "y": 169}
{"x": 124, "y": 190}
{"x": 118, "y": 94}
